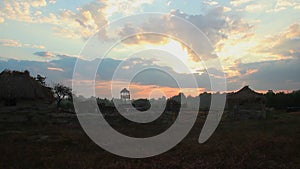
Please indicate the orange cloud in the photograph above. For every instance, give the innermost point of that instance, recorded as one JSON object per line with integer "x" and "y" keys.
{"x": 280, "y": 46}
{"x": 104, "y": 89}
{"x": 251, "y": 71}
{"x": 55, "y": 69}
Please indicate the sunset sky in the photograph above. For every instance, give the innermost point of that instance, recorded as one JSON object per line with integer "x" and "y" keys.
{"x": 256, "y": 42}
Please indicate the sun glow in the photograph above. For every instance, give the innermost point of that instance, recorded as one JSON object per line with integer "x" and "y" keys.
{"x": 179, "y": 59}
{"x": 164, "y": 51}
{"x": 236, "y": 49}
{"x": 232, "y": 52}
{"x": 172, "y": 47}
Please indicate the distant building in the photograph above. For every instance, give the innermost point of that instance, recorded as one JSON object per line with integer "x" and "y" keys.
{"x": 125, "y": 95}
{"x": 246, "y": 104}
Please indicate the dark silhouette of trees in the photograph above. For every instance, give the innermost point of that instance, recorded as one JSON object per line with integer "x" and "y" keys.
{"x": 41, "y": 79}
{"x": 141, "y": 104}
{"x": 283, "y": 100}
{"x": 172, "y": 105}
{"x": 205, "y": 101}
{"x": 106, "y": 106}
{"x": 61, "y": 92}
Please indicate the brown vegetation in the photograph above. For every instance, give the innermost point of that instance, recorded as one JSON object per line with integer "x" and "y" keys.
{"x": 56, "y": 140}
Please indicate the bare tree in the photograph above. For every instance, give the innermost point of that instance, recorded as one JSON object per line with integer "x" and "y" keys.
{"x": 61, "y": 92}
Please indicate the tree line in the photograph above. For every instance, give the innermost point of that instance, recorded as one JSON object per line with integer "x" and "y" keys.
{"x": 279, "y": 101}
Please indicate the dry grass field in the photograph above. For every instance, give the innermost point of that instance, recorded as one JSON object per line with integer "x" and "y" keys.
{"x": 51, "y": 140}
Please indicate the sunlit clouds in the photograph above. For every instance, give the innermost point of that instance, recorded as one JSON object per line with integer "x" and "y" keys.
{"x": 252, "y": 39}
{"x": 17, "y": 43}
{"x": 55, "y": 69}
{"x": 142, "y": 91}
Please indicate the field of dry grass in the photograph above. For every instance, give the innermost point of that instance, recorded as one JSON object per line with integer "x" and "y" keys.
{"x": 57, "y": 141}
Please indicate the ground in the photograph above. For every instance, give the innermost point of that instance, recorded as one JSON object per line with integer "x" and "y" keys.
{"x": 43, "y": 139}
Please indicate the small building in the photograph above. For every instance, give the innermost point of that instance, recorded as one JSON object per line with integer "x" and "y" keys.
{"x": 246, "y": 104}
{"x": 125, "y": 95}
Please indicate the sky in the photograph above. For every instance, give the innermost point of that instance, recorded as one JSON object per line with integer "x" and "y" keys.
{"x": 151, "y": 46}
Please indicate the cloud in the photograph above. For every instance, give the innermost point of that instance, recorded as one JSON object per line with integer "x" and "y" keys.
{"x": 62, "y": 69}
{"x": 169, "y": 3}
{"x": 16, "y": 10}
{"x": 83, "y": 23}
{"x": 2, "y": 19}
{"x": 293, "y": 31}
{"x": 38, "y": 13}
{"x": 52, "y": 1}
{"x": 103, "y": 89}
{"x": 215, "y": 24}
{"x": 277, "y": 66}
{"x": 38, "y": 3}
{"x": 210, "y": 23}
{"x": 239, "y": 2}
{"x": 125, "y": 8}
{"x": 284, "y": 45}
{"x": 45, "y": 54}
{"x": 59, "y": 70}
{"x": 148, "y": 72}
{"x": 10, "y": 43}
{"x": 251, "y": 71}
{"x": 66, "y": 32}
{"x": 239, "y": 49}
{"x": 27, "y": 11}
{"x": 138, "y": 39}
{"x": 285, "y": 4}
{"x": 87, "y": 20}
{"x": 55, "y": 69}
{"x": 254, "y": 8}
{"x": 211, "y": 3}
{"x": 275, "y": 75}
{"x": 34, "y": 46}
{"x": 17, "y": 43}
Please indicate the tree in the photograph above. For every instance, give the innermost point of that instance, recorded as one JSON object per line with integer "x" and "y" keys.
{"x": 41, "y": 79}
{"x": 61, "y": 92}
{"x": 141, "y": 104}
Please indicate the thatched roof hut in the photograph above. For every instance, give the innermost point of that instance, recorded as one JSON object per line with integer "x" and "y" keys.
{"x": 246, "y": 103}
{"x": 246, "y": 94}
{"x": 17, "y": 85}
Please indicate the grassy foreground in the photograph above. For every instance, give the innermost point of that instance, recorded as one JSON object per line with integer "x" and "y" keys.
{"x": 50, "y": 140}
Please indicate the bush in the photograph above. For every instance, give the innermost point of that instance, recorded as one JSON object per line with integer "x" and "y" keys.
{"x": 141, "y": 104}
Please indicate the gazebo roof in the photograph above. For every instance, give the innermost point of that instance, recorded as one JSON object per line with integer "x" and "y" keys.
{"x": 124, "y": 91}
